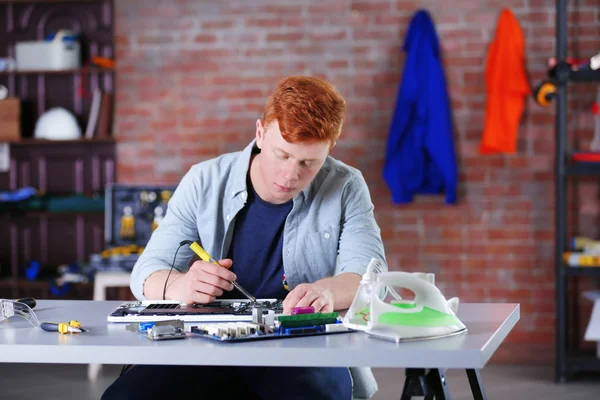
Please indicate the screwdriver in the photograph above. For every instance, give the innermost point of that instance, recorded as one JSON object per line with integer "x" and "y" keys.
{"x": 72, "y": 326}
{"x": 196, "y": 248}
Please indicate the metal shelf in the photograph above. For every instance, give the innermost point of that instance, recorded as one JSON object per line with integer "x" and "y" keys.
{"x": 583, "y": 362}
{"x": 584, "y": 76}
{"x": 581, "y": 271}
{"x": 567, "y": 363}
{"x": 583, "y": 169}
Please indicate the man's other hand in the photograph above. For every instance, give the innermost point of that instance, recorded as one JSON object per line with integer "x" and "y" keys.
{"x": 307, "y": 294}
{"x": 203, "y": 282}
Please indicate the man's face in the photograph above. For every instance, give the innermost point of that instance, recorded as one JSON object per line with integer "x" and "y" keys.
{"x": 285, "y": 169}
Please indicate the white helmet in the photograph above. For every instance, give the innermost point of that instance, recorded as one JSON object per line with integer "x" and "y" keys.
{"x": 57, "y": 124}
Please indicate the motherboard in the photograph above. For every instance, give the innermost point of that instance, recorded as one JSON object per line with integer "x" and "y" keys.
{"x": 220, "y": 310}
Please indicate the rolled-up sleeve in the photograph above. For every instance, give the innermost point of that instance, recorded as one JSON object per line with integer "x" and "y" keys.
{"x": 360, "y": 237}
{"x": 178, "y": 224}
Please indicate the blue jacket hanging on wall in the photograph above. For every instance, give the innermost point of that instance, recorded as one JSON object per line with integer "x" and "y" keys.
{"x": 420, "y": 156}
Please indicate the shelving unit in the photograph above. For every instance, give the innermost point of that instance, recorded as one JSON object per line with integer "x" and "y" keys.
{"x": 90, "y": 70}
{"x": 568, "y": 360}
{"x": 61, "y": 168}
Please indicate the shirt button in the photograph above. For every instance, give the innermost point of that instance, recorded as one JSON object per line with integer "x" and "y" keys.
{"x": 326, "y": 235}
{"x": 228, "y": 217}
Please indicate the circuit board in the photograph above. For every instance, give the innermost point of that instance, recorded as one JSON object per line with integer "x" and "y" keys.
{"x": 218, "y": 311}
{"x": 285, "y": 326}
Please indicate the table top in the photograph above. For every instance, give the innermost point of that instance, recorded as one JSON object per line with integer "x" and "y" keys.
{"x": 488, "y": 325}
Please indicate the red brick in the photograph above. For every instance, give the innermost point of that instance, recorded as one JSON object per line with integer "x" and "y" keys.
{"x": 485, "y": 17}
{"x": 334, "y": 35}
{"x": 327, "y": 7}
{"x": 581, "y": 17}
{"x": 536, "y": 17}
{"x": 217, "y": 24}
{"x": 373, "y": 34}
{"x": 285, "y": 37}
{"x": 205, "y": 38}
{"x": 370, "y": 6}
{"x": 263, "y": 23}
{"x": 157, "y": 40}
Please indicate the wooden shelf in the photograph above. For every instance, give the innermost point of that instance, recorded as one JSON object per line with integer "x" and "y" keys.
{"x": 10, "y": 283}
{"x": 44, "y": 142}
{"x": 583, "y": 362}
{"x": 51, "y": 1}
{"x": 583, "y": 169}
{"x": 90, "y": 70}
{"x": 15, "y": 288}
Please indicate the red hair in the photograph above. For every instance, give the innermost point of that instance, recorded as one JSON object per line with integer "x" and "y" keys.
{"x": 306, "y": 109}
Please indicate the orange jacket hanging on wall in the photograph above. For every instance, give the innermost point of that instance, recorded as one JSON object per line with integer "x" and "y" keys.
{"x": 506, "y": 85}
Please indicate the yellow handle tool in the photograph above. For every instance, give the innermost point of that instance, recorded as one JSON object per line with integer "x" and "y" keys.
{"x": 63, "y": 327}
{"x": 196, "y": 248}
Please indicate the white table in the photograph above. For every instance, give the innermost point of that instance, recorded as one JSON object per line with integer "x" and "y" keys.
{"x": 102, "y": 281}
{"x": 109, "y": 343}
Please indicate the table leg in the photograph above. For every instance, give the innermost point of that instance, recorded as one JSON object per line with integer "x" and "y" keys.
{"x": 93, "y": 372}
{"x": 415, "y": 383}
{"x": 430, "y": 383}
{"x": 437, "y": 381}
{"x": 476, "y": 384}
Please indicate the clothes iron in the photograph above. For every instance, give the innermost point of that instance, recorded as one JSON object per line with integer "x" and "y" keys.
{"x": 428, "y": 316}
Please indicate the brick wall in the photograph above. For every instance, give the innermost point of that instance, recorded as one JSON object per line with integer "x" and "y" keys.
{"x": 193, "y": 77}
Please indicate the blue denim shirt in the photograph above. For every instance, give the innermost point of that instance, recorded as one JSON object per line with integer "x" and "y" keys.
{"x": 331, "y": 228}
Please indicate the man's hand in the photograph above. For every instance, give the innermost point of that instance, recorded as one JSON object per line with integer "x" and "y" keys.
{"x": 307, "y": 294}
{"x": 202, "y": 284}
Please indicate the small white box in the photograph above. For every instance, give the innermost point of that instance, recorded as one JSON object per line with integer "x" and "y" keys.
{"x": 592, "y": 332}
{"x": 60, "y": 53}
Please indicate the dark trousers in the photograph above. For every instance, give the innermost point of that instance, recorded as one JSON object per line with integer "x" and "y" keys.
{"x": 146, "y": 382}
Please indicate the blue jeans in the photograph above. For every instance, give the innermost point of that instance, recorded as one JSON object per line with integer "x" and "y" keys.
{"x": 146, "y": 382}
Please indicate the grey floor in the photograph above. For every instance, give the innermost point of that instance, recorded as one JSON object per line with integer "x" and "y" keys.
{"x": 62, "y": 381}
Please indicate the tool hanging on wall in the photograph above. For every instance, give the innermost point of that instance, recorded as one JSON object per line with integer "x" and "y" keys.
{"x": 545, "y": 91}
{"x": 165, "y": 196}
{"x": 158, "y": 216}
{"x": 95, "y": 61}
{"x": 127, "y": 223}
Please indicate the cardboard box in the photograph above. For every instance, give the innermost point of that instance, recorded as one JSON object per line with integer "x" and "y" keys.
{"x": 10, "y": 119}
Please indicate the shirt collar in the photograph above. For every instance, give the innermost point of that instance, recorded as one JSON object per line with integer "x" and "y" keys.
{"x": 240, "y": 173}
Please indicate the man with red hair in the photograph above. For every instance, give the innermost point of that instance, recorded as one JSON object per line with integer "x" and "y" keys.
{"x": 288, "y": 222}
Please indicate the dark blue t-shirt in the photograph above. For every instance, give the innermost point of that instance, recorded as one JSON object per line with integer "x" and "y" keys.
{"x": 256, "y": 248}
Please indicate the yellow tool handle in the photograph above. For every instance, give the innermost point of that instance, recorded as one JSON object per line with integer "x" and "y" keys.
{"x": 202, "y": 253}
{"x": 196, "y": 248}
{"x": 62, "y": 327}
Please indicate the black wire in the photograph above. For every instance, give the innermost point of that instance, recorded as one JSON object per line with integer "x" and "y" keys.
{"x": 125, "y": 368}
{"x": 173, "y": 265}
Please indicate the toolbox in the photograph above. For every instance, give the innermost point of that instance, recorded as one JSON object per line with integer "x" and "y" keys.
{"x": 132, "y": 213}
